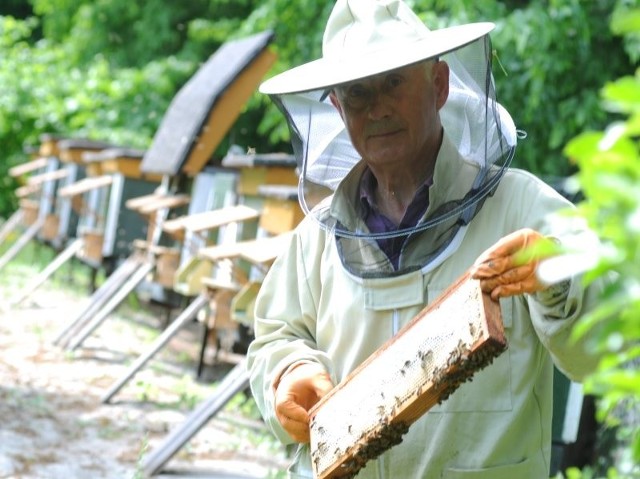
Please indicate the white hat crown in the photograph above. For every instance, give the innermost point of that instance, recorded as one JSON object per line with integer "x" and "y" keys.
{"x": 367, "y": 37}
{"x": 362, "y": 27}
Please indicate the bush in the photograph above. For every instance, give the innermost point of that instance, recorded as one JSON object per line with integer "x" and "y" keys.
{"x": 609, "y": 175}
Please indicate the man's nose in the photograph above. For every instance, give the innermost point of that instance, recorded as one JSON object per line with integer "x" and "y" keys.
{"x": 380, "y": 105}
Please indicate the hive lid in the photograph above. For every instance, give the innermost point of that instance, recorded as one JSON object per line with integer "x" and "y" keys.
{"x": 204, "y": 109}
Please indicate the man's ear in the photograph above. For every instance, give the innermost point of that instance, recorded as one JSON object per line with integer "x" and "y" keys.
{"x": 335, "y": 102}
{"x": 441, "y": 82}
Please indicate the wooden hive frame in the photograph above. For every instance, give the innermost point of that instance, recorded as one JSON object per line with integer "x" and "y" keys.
{"x": 455, "y": 336}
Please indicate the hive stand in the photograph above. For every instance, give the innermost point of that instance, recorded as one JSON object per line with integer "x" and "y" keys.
{"x": 85, "y": 209}
{"x": 197, "y": 119}
{"x": 152, "y": 257}
{"x": 268, "y": 182}
{"x": 36, "y": 200}
{"x": 53, "y": 216}
{"x": 212, "y": 274}
{"x": 234, "y": 382}
{"x": 21, "y": 173}
{"x": 260, "y": 252}
{"x": 279, "y": 216}
{"x": 155, "y": 207}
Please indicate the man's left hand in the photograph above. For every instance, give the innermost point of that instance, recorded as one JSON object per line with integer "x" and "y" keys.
{"x": 509, "y": 267}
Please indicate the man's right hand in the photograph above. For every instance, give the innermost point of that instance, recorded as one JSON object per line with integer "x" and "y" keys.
{"x": 298, "y": 390}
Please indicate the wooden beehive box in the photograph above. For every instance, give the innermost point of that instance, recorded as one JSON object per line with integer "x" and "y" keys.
{"x": 51, "y": 227}
{"x": 458, "y": 334}
{"x": 167, "y": 263}
{"x": 29, "y": 211}
{"x": 93, "y": 244}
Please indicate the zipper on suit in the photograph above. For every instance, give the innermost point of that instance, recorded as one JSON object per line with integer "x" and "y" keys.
{"x": 380, "y": 466}
{"x": 395, "y": 322}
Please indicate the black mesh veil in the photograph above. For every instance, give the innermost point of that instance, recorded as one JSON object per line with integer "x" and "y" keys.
{"x": 478, "y": 127}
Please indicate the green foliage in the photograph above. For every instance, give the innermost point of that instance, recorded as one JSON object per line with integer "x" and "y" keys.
{"x": 298, "y": 33}
{"x": 45, "y": 91}
{"x": 588, "y": 473}
{"x": 109, "y": 68}
{"x": 556, "y": 56}
{"x": 609, "y": 174}
{"x": 16, "y": 8}
{"x": 130, "y": 33}
{"x": 625, "y": 21}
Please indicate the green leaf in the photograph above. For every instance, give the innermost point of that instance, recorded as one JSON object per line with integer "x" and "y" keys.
{"x": 622, "y": 95}
{"x": 625, "y": 21}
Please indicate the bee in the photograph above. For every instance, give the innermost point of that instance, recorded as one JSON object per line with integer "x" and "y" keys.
{"x": 426, "y": 358}
{"x": 350, "y": 465}
{"x": 472, "y": 330}
{"x": 453, "y": 358}
{"x": 322, "y": 447}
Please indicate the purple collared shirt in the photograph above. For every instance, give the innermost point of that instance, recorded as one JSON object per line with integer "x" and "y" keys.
{"x": 379, "y": 223}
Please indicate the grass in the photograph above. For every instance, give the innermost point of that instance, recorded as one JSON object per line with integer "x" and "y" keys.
{"x": 139, "y": 472}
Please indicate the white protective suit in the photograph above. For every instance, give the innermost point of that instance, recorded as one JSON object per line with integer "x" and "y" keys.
{"x": 498, "y": 426}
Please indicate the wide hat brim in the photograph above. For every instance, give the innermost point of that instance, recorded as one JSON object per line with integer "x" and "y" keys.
{"x": 325, "y": 72}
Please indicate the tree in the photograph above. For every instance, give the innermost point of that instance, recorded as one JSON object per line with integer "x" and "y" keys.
{"x": 609, "y": 175}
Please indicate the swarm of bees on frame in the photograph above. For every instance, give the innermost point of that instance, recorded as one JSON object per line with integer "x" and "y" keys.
{"x": 461, "y": 365}
{"x": 377, "y": 442}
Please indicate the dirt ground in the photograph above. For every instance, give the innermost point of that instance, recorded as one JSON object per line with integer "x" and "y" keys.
{"x": 53, "y": 424}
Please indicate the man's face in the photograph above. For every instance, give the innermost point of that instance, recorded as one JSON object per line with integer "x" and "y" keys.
{"x": 392, "y": 118}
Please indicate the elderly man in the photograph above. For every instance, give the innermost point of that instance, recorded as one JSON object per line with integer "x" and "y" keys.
{"x": 400, "y": 125}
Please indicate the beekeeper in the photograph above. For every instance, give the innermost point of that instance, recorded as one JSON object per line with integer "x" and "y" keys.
{"x": 404, "y": 157}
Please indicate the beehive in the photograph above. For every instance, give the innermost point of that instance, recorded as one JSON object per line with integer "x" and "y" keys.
{"x": 458, "y": 334}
